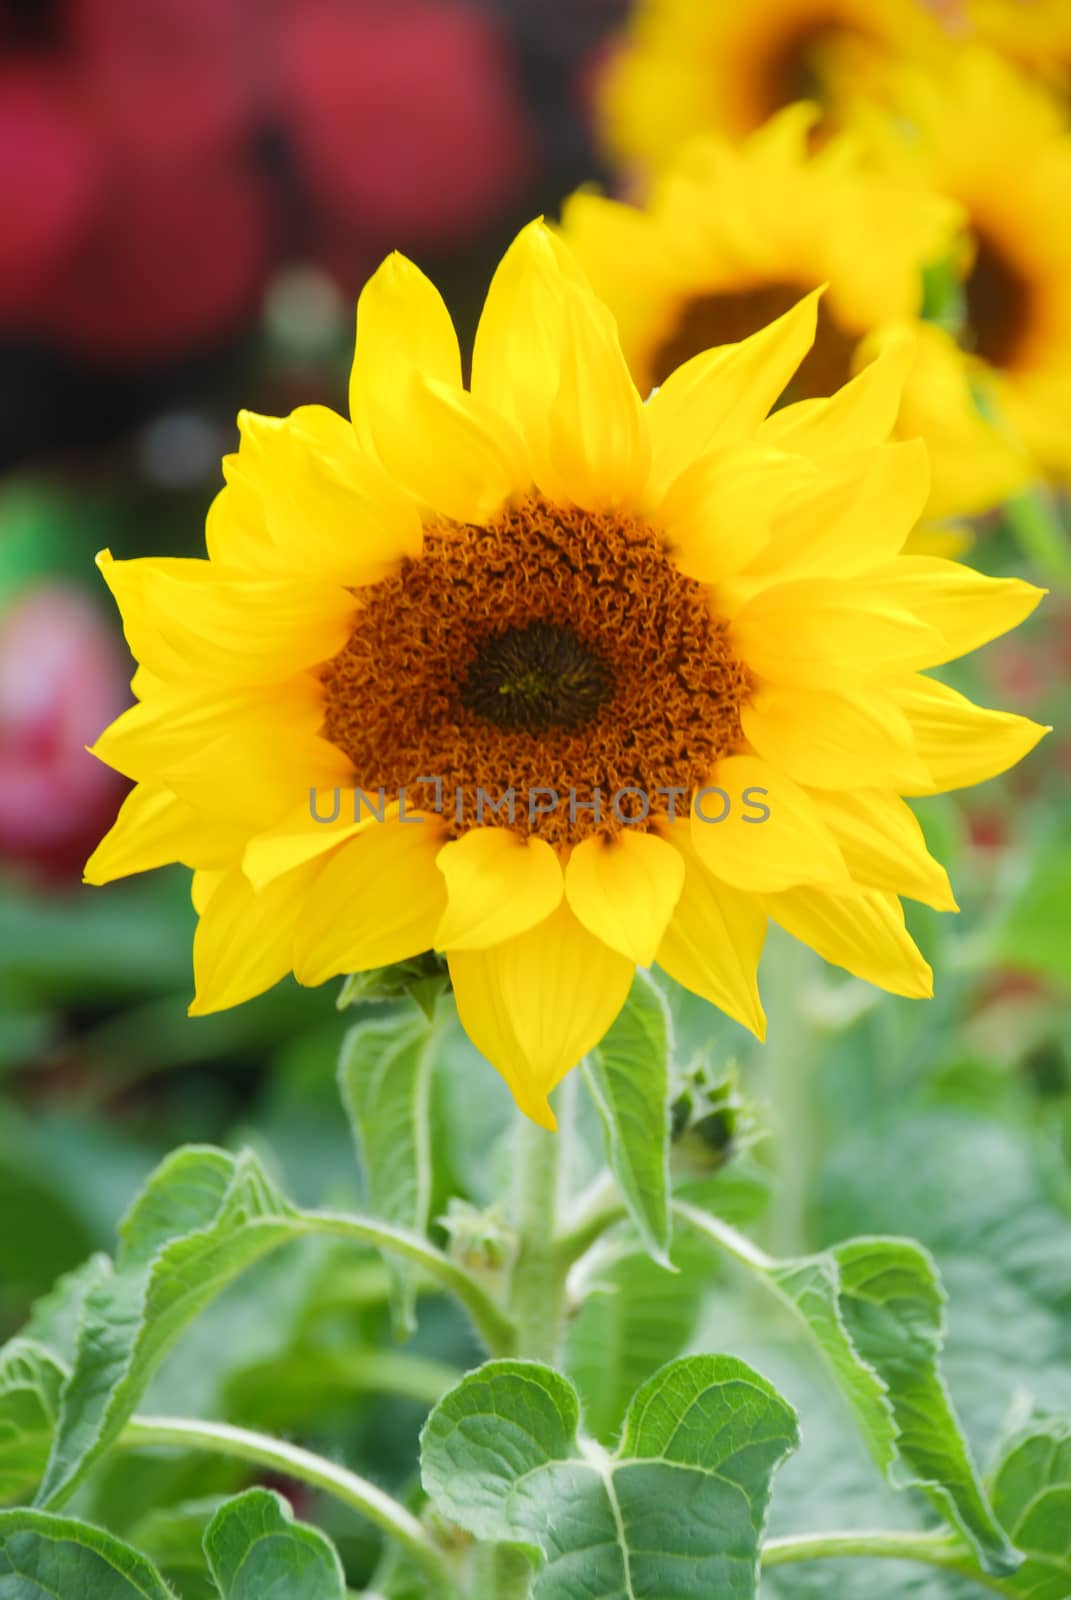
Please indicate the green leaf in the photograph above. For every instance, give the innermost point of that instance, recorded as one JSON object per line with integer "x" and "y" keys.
{"x": 892, "y": 1302}
{"x": 875, "y": 1308}
{"x": 812, "y": 1286}
{"x": 678, "y": 1511}
{"x": 43, "y": 1557}
{"x": 257, "y": 1551}
{"x": 172, "y": 1537}
{"x": 385, "y": 1078}
{"x": 1032, "y": 1495}
{"x": 203, "y": 1217}
{"x": 627, "y": 1075}
{"x": 30, "y": 1381}
{"x": 635, "y": 1318}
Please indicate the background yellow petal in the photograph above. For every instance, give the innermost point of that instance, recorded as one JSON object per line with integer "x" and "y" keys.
{"x": 497, "y": 885}
{"x": 538, "y": 1003}
{"x": 378, "y": 899}
{"x": 714, "y": 940}
{"x": 864, "y": 933}
{"x": 960, "y": 743}
{"x": 789, "y": 845}
{"x": 624, "y": 890}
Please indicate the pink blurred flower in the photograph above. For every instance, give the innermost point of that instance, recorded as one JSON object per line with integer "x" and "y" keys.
{"x": 62, "y": 678}
{"x": 404, "y": 114}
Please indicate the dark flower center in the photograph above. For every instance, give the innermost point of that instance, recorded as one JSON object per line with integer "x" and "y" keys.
{"x": 999, "y": 304}
{"x": 714, "y": 319}
{"x": 539, "y": 676}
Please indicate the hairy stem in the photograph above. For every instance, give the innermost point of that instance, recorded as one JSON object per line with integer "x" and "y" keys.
{"x": 494, "y": 1326}
{"x": 537, "y": 1285}
{"x": 933, "y": 1549}
{"x": 291, "y": 1461}
{"x": 790, "y": 1059}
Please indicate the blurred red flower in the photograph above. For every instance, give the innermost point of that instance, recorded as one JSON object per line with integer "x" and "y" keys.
{"x": 63, "y": 676}
{"x": 144, "y": 205}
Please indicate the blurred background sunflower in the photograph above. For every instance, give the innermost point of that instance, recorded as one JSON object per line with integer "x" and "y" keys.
{"x": 193, "y": 194}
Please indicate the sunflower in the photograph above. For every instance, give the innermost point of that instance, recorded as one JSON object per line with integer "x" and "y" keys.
{"x": 1035, "y": 34}
{"x": 732, "y": 235}
{"x": 693, "y": 66}
{"x": 656, "y": 616}
{"x": 998, "y": 145}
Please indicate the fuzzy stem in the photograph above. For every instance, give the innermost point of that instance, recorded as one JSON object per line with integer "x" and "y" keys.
{"x": 291, "y": 1461}
{"x": 933, "y": 1549}
{"x": 490, "y": 1321}
{"x": 537, "y": 1286}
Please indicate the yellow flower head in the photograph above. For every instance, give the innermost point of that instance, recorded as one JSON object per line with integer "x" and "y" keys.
{"x": 661, "y": 615}
{"x": 724, "y": 66}
{"x": 1035, "y": 34}
{"x": 733, "y": 235}
{"x": 998, "y": 145}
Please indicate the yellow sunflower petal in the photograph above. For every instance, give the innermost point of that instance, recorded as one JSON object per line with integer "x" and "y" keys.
{"x": 598, "y": 449}
{"x": 194, "y": 619}
{"x": 852, "y": 515}
{"x": 516, "y": 355}
{"x": 203, "y": 885}
{"x": 961, "y": 743}
{"x": 378, "y": 900}
{"x": 325, "y": 819}
{"x": 717, "y": 514}
{"x": 824, "y": 633}
{"x": 883, "y": 844}
{"x": 624, "y": 890}
{"x": 714, "y": 940}
{"x": 863, "y": 411}
{"x": 155, "y": 828}
{"x": 244, "y": 941}
{"x": 967, "y": 608}
{"x": 831, "y": 740}
{"x": 864, "y": 933}
{"x": 450, "y": 451}
{"x": 771, "y": 834}
{"x": 721, "y": 396}
{"x": 497, "y": 884}
{"x": 402, "y": 325}
{"x": 538, "y": 1003}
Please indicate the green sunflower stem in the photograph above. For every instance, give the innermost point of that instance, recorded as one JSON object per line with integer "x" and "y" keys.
{"x": 790, "y": 1057}
{"x": 537, "y": 1288}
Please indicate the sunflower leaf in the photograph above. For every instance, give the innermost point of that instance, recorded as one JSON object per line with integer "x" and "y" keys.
{"x": 385, "y": 1079}
{"x": 31, "y": 1378}
{"x": 678, "y": 1510}
{"x": 203, "y": 1217}
{"x": 1031, "y": 1491}
{"x": 627, "y": 1075}
{"x": 42, "y": 1554}
{"x": 892, "y": 1301}
{"x": 875, "y": 1308}
{"x": 257, "y": 1551}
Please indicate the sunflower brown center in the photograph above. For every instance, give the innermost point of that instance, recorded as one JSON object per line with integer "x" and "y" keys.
{"x": 713, "y": 319}
{"x": 551, "y": 652}
{"x": 999, "y": 303}
{"x": 798, "y": 66}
